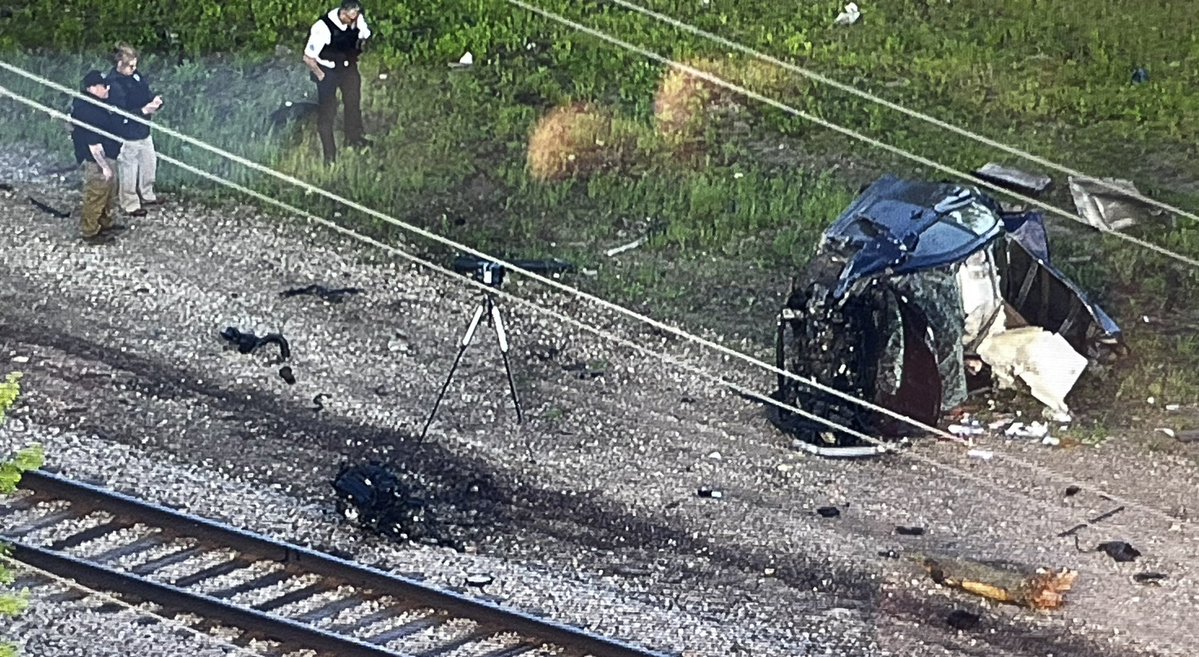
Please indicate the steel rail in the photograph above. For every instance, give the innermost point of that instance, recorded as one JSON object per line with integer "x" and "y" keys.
{"x": 371, "y": 583}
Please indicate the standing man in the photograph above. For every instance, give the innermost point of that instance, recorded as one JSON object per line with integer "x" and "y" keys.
{"x": 334, "y": 43}
{"x": 138, "y": 164}
{"x": 97, "y": 153}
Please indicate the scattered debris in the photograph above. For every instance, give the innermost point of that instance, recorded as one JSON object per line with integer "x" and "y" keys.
{"x": 583, "y": 371}
{"x": 655, "y": 228}
{"x": 974, "y": 428}
{"x": 1168, "y": 432}
{"x": 1150, "y": 579}
{"x": 329, "y": 295}
{"x": 1014, "y": 179}
{"x": 712, "y": 493}
{"x": 962, "y": 620}
{"x": 318, "y": 404}
{"x": 889, "y": 554}
{"x": 248, "y": 342}
{"x": 1037, "y": 589}
{"x": 1099, "y": 518}
{"x": 286, "y": 374}
{"x": 5, "y": 187}
{"x": 1020, "y": 430}
{"x": 1173, "y": 407}
{"x": 1189, "y": 436}
{"x": 828, "y": 512}
{"x": 49, "y": 209}
{"x": 849, "y": 15}
{"x": 465, "y": 61}
{"x": 1119, "y": 551}
{"x": 1106, "y": 514}
{"x": 983, "y": 454}
{"x": 909, "y": 531}
{"x": 479, "y": 580}
{"x": 1073, "y": 530}
{"x": 373, "y": 496}
{"x": 1072, "y": 490}
{"x": 920, "y": 293}
{"x": 617, "y": 250}
{"x": 1140, "y": 76}
{"x": 1110, "y": 203}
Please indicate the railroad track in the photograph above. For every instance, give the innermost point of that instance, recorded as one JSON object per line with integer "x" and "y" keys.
{"x": 287, "y": 597}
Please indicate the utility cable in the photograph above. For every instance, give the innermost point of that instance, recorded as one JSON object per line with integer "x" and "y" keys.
{"x": 927, "y": 118}
{"x": 599, "y": 332}
{"x": 718, "y": 347}
{"x": 848, "y": 132}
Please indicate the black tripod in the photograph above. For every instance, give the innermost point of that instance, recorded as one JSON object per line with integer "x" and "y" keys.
{"x": 487, "y": 306}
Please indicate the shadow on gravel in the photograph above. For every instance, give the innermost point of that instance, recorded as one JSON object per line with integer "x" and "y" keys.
{"x": 585, "y": 520}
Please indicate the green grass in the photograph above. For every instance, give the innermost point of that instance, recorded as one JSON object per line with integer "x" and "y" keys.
{"x": 1052, "y": 78}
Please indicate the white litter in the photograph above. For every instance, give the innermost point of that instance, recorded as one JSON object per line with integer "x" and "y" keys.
{"x": 849, "y": 16}
{"x": 984, "y": 454}
{"x": 1021, "y": 430}
{"x": 966, "y": 430}
{"x": 1168, "y": 432}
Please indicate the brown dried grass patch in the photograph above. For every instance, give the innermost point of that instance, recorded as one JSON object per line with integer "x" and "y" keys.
{"x": 574, "y": 140}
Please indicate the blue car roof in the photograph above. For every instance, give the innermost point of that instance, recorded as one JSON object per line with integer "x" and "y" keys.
{"x": 898, "y": 226}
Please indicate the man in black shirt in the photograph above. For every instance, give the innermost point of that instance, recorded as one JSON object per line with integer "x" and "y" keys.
{"x": 97, "y": 153}
{"x": 331, "y": 54}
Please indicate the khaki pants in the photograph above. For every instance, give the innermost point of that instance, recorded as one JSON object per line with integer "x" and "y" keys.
{"x": 138, "y": 166}
{"x": 99, "y": 199}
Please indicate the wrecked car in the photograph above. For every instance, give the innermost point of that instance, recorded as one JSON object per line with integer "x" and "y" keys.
{"x": 918, "y": 294}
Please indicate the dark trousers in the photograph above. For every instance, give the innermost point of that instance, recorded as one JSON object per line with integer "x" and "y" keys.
{"x": 348, "y": 80}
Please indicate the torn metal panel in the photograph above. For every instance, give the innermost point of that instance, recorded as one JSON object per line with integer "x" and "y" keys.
{"x": 1109, "y": 203}
{"x": 1043, "y": 296}
{"x": 1014, "y": 179}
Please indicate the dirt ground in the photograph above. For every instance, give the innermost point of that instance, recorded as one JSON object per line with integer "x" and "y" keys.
{"x": 121, "y": 341}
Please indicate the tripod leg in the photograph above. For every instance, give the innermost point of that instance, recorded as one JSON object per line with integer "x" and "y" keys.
{"x": 466, "y": 339}
{"x": 502, "y": 336}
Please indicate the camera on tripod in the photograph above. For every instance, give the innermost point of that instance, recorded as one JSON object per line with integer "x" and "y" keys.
{"x": 492, "y": 273}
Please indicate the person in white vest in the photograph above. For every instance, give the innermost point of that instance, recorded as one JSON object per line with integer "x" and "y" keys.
{"x": 331, "y": 54}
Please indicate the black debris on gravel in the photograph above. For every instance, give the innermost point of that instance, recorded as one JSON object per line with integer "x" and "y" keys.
{"x": 318, "y": 403}
{"x": 336, "y": 295}
{"x": 400, "y": 505}
{"x": 286, "y": 374}
{"x": 248, "y": 342}
{"x": 828, "y": 512}
{"x": 962, "y": 620}
{"x": 1119, "y": 551}
{"x": 49, "y": 209}
{"x": 909, "y": 531}
{"x": 583, "y": 371}
{"x": 1149, "y": 579}
{"x": 1072, "y": 491}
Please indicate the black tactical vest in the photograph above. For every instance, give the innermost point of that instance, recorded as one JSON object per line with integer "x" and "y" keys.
{"x": 344, "y": 43}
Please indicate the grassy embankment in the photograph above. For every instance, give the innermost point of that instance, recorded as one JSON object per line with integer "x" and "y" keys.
{"x": 743, "y": 191}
